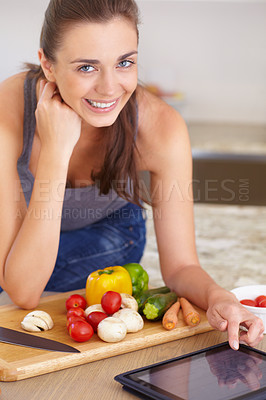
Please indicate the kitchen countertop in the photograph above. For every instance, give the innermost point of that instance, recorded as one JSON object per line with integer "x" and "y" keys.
{"x": 96, "y": 380}
{"x": 231, "y": 243}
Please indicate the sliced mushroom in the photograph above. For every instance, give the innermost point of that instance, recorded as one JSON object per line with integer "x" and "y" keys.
{"x": 37, "y": 321}
{"x": 94, "y": 307}
{"x": 131, "y": 318}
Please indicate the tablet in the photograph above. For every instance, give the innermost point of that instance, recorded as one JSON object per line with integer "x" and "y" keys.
{"x": 215, "y": 373}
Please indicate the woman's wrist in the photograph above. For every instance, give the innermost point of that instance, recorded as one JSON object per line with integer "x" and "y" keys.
{"x": 50, "y": 177}
{"x": 193, "y": 282}
{"x": 216, "y": 294}
{"x": 52, "y": 157}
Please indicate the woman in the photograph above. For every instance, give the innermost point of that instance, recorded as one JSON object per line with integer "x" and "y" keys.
{"x": 70, "y": 195}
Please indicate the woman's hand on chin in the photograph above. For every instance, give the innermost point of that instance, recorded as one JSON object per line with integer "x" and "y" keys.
{"x": 59, "y": 126}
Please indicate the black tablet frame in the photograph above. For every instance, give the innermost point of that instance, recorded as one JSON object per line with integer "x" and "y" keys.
{"x": 146, "y": 393}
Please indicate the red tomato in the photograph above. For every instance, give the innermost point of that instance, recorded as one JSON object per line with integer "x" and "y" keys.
{"x": 80, "y": 331}
{"x": 73, "y": 318}
{"x": 262, "y": 303}
{"x": 77, "y": 311}
{"x": 94, "y": 318}
{"x": 248, "y": 302}
{"x": 259, "y": 298}
{"x": 75, "y": 300}
{"x": 111, "y": 302}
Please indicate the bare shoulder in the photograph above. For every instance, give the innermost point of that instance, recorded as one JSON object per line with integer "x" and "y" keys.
{"x": 162, "y": 132}
{"x": 12, "y": 109}
{"x": 13, "y": 86}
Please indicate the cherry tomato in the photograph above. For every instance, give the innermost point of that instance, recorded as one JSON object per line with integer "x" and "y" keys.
{"x": 77, "y": 311}
{"x": 262, "y": 303}
{"x": 76, "y": 300}
{"x": 73, "y": 318}
{"x": 111, "y": 302}
{"x": 80, "y": 331}
{"x": 259, "y": 298}
{"x": 94, "y": 318}
{"x": 248, "y": 302}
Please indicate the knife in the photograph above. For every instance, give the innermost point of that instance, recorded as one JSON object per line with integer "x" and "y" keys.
{"x": 26, "y": 339}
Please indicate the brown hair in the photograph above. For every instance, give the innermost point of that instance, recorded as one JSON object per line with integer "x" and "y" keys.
{"x": 119, "y": 165}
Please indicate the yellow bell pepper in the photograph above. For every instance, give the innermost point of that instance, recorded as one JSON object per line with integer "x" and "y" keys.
{"x": 114, "y": 278}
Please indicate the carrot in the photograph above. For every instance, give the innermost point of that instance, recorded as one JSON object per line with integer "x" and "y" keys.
{"x": 170, "y": 318}
{"x": 191, "y": 316}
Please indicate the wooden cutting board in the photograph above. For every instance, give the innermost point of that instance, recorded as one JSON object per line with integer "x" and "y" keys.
{"x": 18, "y": 362}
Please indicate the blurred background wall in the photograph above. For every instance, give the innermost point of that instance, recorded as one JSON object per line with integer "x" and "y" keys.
{"x": 213, "y": 52}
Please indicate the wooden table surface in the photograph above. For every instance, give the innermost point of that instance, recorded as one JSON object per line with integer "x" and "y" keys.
{"x": 96, "y": 380}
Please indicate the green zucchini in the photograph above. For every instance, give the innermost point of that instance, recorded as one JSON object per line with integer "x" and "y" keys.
{"x": 141, "y": 299}
{"x": 158, "y": 304}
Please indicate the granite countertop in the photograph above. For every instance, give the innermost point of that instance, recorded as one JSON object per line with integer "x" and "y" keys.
{"x": 231, "y": 244}
{"x": 230, "y": 239}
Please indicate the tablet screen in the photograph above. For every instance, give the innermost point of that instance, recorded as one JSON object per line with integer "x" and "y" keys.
{"x": 220, "y": 373}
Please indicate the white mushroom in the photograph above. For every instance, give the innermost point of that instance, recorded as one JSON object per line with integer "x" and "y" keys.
{"x": 34, "y": 324}
{"x": 94, "y": 307}
{"x": 112, "y": 330}
{"x": 129, "y": 301}
{"x": 131, "y": 318}
{"x": 37, "y": 321}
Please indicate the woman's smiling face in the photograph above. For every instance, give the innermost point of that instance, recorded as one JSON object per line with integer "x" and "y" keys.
{"x": 96, "y": 69}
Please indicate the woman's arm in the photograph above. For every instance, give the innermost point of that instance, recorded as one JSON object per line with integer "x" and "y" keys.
{"x": 30, "y": 237}
{"x": 170, "y": 163}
